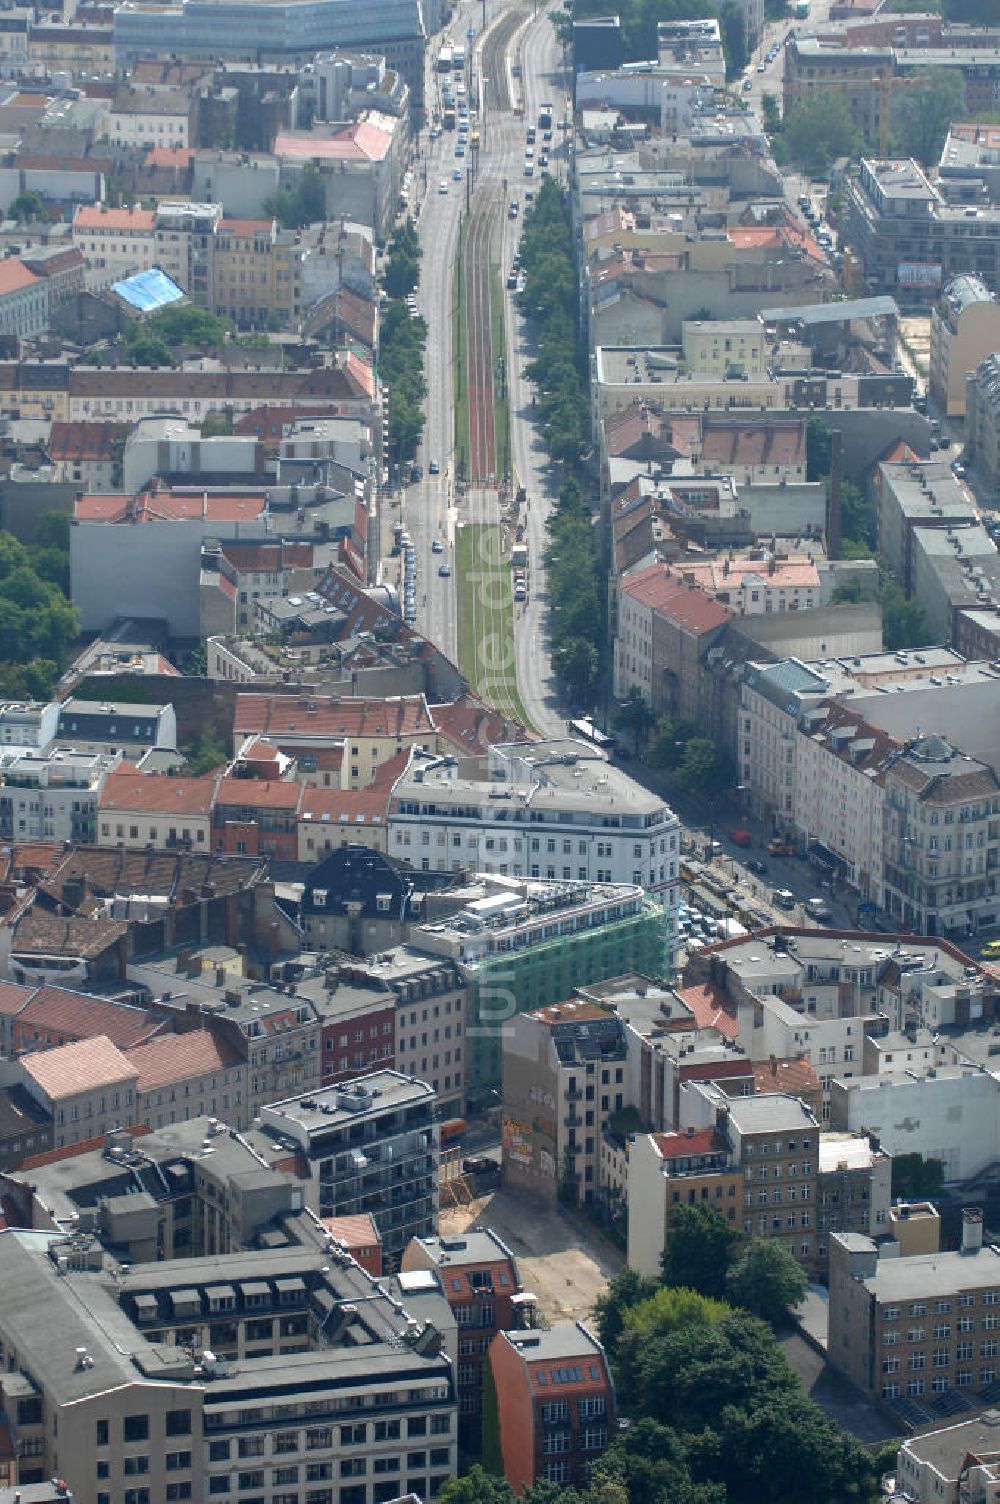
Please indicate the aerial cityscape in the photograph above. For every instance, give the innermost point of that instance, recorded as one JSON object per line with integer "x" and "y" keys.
{"x": 500, "y": 752}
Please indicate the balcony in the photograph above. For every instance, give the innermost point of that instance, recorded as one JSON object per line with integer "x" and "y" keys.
{"x": 575, "y": 1121}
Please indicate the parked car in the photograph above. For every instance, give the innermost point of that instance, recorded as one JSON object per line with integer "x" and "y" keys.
{"x": 784, "y": 898}
{"x": 756, "y": 866}
{"x": 818, "y": 908}
{"x": 778, "y": 846}
{"x": 741, "y": 837}
{"x": 479, "y": 1164}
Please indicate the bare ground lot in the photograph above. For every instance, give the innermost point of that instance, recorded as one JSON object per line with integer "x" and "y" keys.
{"x": 560, "y": 1257}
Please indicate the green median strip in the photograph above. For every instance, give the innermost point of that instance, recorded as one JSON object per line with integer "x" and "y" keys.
{"x": 486, "y": 642}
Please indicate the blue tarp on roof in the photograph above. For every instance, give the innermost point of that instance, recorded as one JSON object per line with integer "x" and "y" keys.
{"x": 148, "y": 291}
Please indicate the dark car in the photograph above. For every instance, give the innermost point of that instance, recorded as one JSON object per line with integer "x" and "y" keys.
{"x": 754, "y": 864}
{"x": 479, "y": 1164}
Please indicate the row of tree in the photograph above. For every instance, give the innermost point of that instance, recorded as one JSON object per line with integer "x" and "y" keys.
{"x": 559, "y": 374}
{"x": 402, "y": 341}
{"x": 37, "y": 622}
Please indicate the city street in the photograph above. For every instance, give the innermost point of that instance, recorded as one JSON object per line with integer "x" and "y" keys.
{"x": 435, "y": 506}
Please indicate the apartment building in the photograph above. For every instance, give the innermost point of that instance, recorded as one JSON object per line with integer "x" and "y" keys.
{"x": 125, "y": 1422}
{"x": 167, "y": 812}
{"x": 184, "y": 246}
{"x": 911, "y": 1330}
{"x": 195, "y": 1074}
{"x": 257, "y": 815}
{"x": 24, "y": 300}
{"x": 27, "y": 726}
{"x": 279, "y": 1034}
{"x": 148, "y": 116}
{"x": 368, "y": 1146}
{"x": 554, "y": 809}
{"x": 369, "y": 730}
{"x": 88, "y": 1087}
{"x": 965, "y": 329}
{"x": 244, "y": 271}
{"x": 853, "y": 1189}
{"x": 551, "y": 1402}
{"x": 428, "y": 1000}
{"x": 982, "y": 433}
{"x": 115, "y": 242}
{"x": 666, "y": 627}
{"x": 478, "y": 1274}
{"x": 54, "y": 796}
{"x": 564, "y": 1078}
{"x": 911, "y": 495}
{"x": 775, "y": 1140}
{"x": 667, "y": 1170}
{"x": 128, "y": 730}
{"x": 941, "y": 839}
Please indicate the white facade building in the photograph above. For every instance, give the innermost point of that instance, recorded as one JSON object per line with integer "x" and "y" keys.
{"x": 553, "y": 810}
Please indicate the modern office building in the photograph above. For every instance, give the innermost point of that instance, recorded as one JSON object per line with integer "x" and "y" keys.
{"x": 290, "y": 30}
{"x": 528, "y": 944}
{"x": 367, "y": 1146}
{"x": 228, "y": 1378}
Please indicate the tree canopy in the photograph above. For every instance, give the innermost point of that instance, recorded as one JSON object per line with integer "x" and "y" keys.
{"x": 305, "y": 204}
{"x": 37, "y": 622}
{"x": 818, "y": 129}
{"x": 699, "y": 1249}
{"x": 766, "y": 1281}
{"x": 922, "y": 111}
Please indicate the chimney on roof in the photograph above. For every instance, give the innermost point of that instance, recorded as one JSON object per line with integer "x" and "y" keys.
{"x": 833, "y": 517}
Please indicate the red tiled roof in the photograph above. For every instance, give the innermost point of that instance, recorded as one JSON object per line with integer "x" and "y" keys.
{"x": 157, "y": 793}
{"x": 84, "y": 441}
{"x": 793, "y": 1078}
{"x": 70, "y": 1069}
{"x": 472, "y": 725}
{"x": 710, "y": 1008}
{"x": 14, "y": 275}
{"x": 13, "y": 997}
{"x": 169, "y": 156}
{"x": 660, "y": 588}
{"x": 246, "y": 229}
{"x": 679, "y": 1145}
{"x": 361, "y": 141}
{"x": 167, "y": 506}
{"x": 257, "y": 793}
{"x": 180, "y": 1057}
{"x": 60, "y": 1011}
{"x": 357, "y": 1231}
{"x": 97, "y": 217}
{"x": 280, "y": 715}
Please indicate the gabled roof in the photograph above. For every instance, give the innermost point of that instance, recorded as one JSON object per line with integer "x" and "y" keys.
{"x": 257, "y": 793}
{"x": 15, "y": 276}
{"x": 75, "y": 1013}
{"x": 70, "y": 1069}
{"x": 181, "y": 1057}
{"x": 96, "y": 217}
{"x": 690, "y": 608}
{"x": 129, "y": 790}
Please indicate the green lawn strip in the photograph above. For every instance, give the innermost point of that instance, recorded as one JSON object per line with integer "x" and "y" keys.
{"x": 501, "y": 403}
{"x": 483, "y": 571}
{"x": 459, "y": 370}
